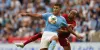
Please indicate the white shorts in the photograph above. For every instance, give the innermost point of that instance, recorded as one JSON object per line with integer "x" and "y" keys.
{"x": 45, "y": 40}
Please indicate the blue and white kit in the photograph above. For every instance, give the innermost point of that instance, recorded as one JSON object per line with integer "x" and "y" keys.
{"x": 51, "y": 29}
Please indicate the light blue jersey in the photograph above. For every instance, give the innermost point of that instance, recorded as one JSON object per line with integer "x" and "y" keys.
{"x": 53, "y": 27}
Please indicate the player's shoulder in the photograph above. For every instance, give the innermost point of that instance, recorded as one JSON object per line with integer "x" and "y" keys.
{"x": 48, "y": 13}
{"x": 65, "y": 15}
{"x": 62, "y": 17}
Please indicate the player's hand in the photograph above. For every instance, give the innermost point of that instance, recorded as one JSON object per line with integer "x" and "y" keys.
{"x": 70, "y": 25}
{"x": 79, "y": 36}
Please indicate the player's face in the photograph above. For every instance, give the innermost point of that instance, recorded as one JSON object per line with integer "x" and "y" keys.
{"x": 72, "y": 15}
{"x": 56, "y": 9}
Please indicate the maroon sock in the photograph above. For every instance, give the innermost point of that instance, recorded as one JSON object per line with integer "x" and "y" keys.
{"x": 33, "y": 38}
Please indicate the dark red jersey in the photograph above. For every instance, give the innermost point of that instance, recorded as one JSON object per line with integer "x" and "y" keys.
{"x": 73, "y": 23}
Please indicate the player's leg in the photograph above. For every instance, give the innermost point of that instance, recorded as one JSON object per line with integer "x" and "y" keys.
{"x": 47, "y": 37}
{"x": 67, "y": 47}
{"x": 33, "y": 38}
{"x": 52, "y": 45}
{"x": 44, "y": 43}
{"x": 64, "y": 43}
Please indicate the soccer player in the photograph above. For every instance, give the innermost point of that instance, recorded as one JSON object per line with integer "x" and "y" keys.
{"x": 62, "y": 35}
{"x": 70, "y": 18}
{"x": 50, "y": 31}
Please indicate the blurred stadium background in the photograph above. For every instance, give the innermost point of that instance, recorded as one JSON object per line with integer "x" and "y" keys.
{"x": 16, "y": 28}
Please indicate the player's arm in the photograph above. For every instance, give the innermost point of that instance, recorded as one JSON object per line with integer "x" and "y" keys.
{"x": 69, "y": 26}
{"x": 35, "y": 15}
{"x": 64, "y": 24}
{"x": 71, "y": 30}
{"x": 62, "y": 30}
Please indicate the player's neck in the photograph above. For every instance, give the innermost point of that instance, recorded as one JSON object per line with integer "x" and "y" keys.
{"x": 57, "y": 14}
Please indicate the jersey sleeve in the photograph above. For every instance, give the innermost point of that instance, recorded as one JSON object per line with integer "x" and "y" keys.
{"x": 45, "y": 16}
{"x": 64, "y": 22}
{"x": 65, "y": 16}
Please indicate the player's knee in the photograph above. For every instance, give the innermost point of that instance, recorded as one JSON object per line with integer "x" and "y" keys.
{"x": 54, "y": 38}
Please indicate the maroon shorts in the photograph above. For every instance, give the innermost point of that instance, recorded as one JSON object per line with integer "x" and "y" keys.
{"x": 63, "y": 39}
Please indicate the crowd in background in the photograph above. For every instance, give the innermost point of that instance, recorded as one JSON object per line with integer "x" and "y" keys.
{"x": 15, "y": 26}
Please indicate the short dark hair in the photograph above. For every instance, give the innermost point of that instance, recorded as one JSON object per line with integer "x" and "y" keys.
{"x": 58, "y": 4}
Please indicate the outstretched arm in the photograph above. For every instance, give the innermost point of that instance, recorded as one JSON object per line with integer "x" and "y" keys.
{"x": 70, "y": 30}
{"x": 77, "y": 35}
{"x": 32, "y": 15}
